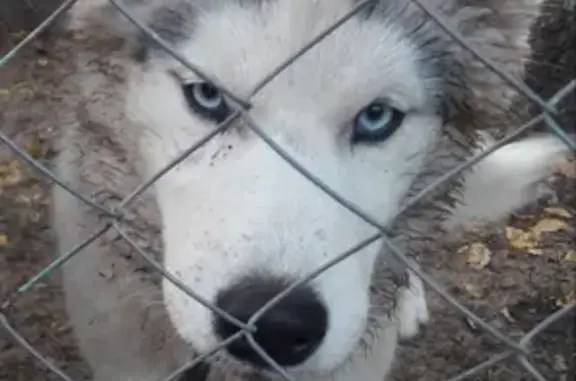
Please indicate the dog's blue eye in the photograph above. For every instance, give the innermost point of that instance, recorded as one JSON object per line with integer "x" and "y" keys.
{"x": 206, "y": 100}
{"x": 376, "y": 122}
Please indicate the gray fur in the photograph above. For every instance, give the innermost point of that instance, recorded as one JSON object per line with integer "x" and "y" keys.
{"x": 114, "y": 296}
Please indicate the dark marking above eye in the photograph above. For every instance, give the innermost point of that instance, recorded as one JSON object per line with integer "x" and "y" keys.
{"x": 173, "y": 22}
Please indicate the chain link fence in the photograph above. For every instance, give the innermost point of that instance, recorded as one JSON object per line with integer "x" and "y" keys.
{"x": 519, "y": 350}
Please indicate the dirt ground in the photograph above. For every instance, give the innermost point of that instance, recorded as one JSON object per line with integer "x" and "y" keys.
{"x": 500, "y": 276}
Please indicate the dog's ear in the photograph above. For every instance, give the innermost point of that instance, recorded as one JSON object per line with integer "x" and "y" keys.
{"x": 499, "y": 30}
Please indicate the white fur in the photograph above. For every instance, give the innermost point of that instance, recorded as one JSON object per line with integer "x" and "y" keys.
{"x": 412, "y": 309}
{"x": 229, "y": 212}
{"x": 507, "y": 178}
{"x": 235, "y": 206}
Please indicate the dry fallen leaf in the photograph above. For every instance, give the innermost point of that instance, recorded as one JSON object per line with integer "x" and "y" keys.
{"x": 571, "y": 256}
{"x": 35, "y": 147}
{"x": 548, "y": 226}
{"x": 566, "y": 299}
{"x": 10, "y": 173}
{"x": 3, "y": 240}
{"x": 529, "y": 240}
{"x": 522, "y": 240}
{"x": 558, "y": 212}
{"x": 479, "y": 255}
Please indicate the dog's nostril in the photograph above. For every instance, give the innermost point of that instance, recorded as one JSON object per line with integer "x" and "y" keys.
{"x": 289, "y": 332}
{"x": 301, "y": 343}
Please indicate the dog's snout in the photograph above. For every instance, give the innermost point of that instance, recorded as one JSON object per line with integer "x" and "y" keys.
{"x": 289, "y": 332}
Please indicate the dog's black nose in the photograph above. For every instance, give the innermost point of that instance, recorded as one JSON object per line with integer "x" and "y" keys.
{"x": 289, "y": 332}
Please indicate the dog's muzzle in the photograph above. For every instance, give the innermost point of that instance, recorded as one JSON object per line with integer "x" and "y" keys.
{"x": 289, "y": 332}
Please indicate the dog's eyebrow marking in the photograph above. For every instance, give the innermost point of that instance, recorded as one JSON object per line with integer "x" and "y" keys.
{"x": 173, "y": 23}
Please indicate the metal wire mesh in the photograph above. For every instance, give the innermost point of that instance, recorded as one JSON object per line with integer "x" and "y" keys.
{"x": 519, "y": 350}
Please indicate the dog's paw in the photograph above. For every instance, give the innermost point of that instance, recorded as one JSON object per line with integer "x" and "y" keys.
{"x": 508, "y": 179}
{"x": 412, "y": 308}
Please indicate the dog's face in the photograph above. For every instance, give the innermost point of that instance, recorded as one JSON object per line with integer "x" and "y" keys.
{"x": 360, "y": 111}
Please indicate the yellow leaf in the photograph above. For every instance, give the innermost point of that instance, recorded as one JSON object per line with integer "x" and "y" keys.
{"x": 571, "y": 256}
{"x": 558, "y": 212}
{"x": 479, "y": 255}
{"x": 548, "y": 226}
{"x": 535, "y": 251}
{"x": 3, "y": 240}
{"x": 521, "y": 240}
{"x": 35, "y": 148}
{"x": 513, "y": 234}
{"x": 566, "y": 299}
{"x": 10, "y": 173}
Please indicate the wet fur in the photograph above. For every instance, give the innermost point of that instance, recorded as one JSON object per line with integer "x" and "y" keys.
{"x": 116, "y": 301}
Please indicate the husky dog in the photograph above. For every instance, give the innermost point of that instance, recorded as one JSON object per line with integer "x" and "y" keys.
{"x": 378, "y": 110}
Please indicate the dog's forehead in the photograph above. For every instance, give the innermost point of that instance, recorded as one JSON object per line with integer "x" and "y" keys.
{"x": 364, "y": 58}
